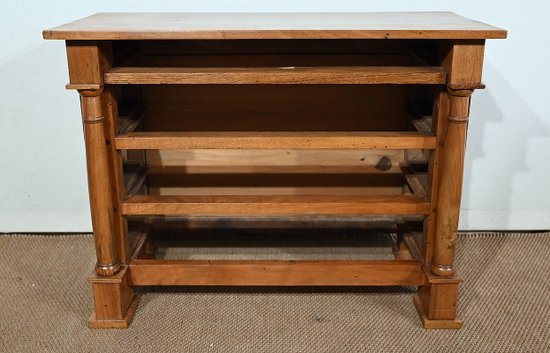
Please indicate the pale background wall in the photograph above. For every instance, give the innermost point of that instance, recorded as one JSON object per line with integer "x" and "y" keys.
{"x": 42, "y": 167}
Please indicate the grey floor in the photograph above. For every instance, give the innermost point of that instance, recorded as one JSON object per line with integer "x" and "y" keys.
{"x": 504, "y": 302}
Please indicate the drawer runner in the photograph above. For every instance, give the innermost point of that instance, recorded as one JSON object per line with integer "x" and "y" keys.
{"x": 278, "y": 75}
{"x": 275, "y": 140}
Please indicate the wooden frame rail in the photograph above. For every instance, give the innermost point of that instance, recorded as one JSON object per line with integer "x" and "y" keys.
{"x": 433, "y": 75}
{"x": 276, "y": 273}
{"x": 275, "y": 140}
{"x": 212, "y": 205}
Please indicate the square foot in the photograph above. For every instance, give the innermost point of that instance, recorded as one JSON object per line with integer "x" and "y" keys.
{"x": 434, "y": 324}
{"x": 115, "y": 323}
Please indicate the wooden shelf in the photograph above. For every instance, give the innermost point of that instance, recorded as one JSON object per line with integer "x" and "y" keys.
{"x": 275, "y": 140}
{"x": 278, "y": 75}
{"x": 209, "y": 205}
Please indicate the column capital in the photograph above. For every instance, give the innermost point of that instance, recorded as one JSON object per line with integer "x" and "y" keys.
{"x": 90, "y": 92}
{"x": 92, "y": 109}
{"x": 459, "y": 110}
{"x": 460, "y": 92}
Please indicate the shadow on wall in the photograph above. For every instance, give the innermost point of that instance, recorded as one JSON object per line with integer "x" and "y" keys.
{"x": 497, "y": 150}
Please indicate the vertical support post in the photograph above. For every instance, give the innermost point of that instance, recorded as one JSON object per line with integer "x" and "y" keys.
{"x": 436, "y": 301}
{"x": 450, "y": 182}
{"x": 99, "y": 182}
{"x": 463, "y": 61}
{"x": 87, "y": 61}
{"x": 114, "y": 299}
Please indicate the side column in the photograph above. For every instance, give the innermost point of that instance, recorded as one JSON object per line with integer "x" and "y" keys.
{"x": 436, "y": 300}
{"x": 99, "y": 183}
{"x": 114, "y": 299}
{"x": 450, "y": 182}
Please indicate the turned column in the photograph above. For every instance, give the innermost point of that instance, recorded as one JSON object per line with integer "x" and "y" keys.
{"x": 99, "y": 182}
{"x": 450, "y": 182}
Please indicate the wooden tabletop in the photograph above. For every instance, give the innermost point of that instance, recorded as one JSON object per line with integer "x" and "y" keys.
{"x": 389, "y": 25}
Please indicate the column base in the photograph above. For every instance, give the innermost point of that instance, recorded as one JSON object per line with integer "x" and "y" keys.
{"x": 94, "y": 322}
{"x": 436, "y": 302}
{"x": 434, "y": 324}
{"x": 114, "y": 300}
{"x": 443, "y": 271}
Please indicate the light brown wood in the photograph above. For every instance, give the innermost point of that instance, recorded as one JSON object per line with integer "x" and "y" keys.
{"x": 278, "y": 273}
{"x": 120, "y": 226}
{"x": 271, "y": 161}
{"x": 450, "y": 185}
{"x": 274, "y": 140}
{"x": 439, "y": 126}
{"x": 115, "y": 302}
{"x": 99, "y": 182}
{"x": 440, "y": 304}
{"x": 280, "y": 75}
{"x": 113, "y": 297}
{"x": 464, "y": 62}
{"x": 181, "y": 172}
{"x": 416, "y": 185}
{"x": 135, "y": 180}
{"x": 339, "y": 181}
{"x": 86, "y": 61}
{"x": 159, "y": 187}
{"x": 273, "y": 205}
{"x": 94, "y": 322}
{"x": 83, "y": 86}
{"x": 436, "y": 302}
{"x": 434, "y": 324}
{"x": 339, "y": 25}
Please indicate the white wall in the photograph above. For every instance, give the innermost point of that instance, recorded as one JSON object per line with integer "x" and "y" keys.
{"x": 42, "y": 167}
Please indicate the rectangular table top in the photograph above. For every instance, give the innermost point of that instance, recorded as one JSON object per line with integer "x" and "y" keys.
{"x": 339, "y": 25}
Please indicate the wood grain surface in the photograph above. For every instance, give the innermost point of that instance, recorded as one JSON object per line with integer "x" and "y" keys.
{"x": 277, "y": 75}
{"x": 274, "y": 140}
{"x": 356, "y": 25}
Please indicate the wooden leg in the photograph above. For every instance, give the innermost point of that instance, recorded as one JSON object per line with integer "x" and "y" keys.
{"x": 114, "y": 299}
{"x": 115, "y": 302}
{"x": 436, "y": 302}
{"x": 450, "y": 183}
{"x": 99, "y": 184}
